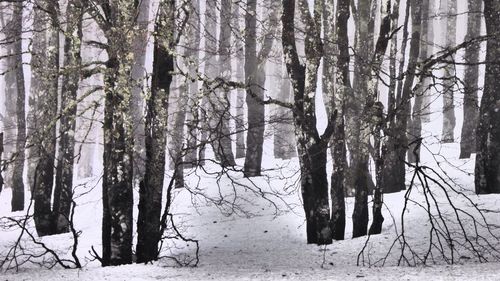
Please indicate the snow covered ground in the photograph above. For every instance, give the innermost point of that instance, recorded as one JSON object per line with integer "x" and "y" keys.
{"x": 257, "y": 235}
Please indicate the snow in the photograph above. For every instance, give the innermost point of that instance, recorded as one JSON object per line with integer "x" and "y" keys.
{"x": 257, "y": 235}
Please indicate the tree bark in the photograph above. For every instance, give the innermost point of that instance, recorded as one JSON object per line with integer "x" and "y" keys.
{"x": 117, "y": 190}
{"x": 150, "y": 200}
{"x": 63, "y": 189}
{"x": 358, "y": 138}
{"x": 45, "y": 67}
{"x": 487, "y": 170}
{"x": 471, "y": 78}
{"x": 312, "y": 147}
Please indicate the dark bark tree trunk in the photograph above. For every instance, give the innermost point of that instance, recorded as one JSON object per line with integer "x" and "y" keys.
{"x": 341, "y": 86}
{"x": 150, "y": 200}
{"x": 487, "y": 170}
{"x": 312, "y": 147}
{"x": 471, "y": 77}
{"x": 255, "y": 78}
{"x": 63, "y": 189}
{"x": 45, "y": 67}
{"x": 395, "y": 147}
{"x": 374, "y": 110}
{"x": 256, "y": 112}
{"x": 359, "y": 132}
{"x": 415, "y": 122}
{"x": 450, "y": 33}
{"x": 117, "y": 198}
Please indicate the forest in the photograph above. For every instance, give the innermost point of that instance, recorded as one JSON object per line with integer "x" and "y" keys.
{"x": 245, "y": 139}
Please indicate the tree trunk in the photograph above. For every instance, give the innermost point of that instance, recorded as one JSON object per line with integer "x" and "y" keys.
{"x": 63, "y": 189}
{"x": 10, "y": 102}
{"x": 284, "y": 135}
{"x": 255, "y": 78}
{"x": 430, "y": 14}
{"x": 358, "y": 138}
{"x": 311, "y": 146}
{"x": 255, "y": 94}
{"x": 450, "y": 33}
{"x": 45, "y": 67}
{"x": 139, "y": 45}
{"x": 340, "y": 86}
{"x": 240, "y": 126}
{"x": 117, "y": 186}
{"x": 17, "y": 202}
{"x": 471, "y": 77}
{"x": 395, "y": 146}
{"x": 148, "y": 223}
{"x": 176, "y": 150}
{"x": 192, "y": 114}
{"x": 415, "y": 123}
{"x": 1, "y": 166}
{"x": 487, "y": 170}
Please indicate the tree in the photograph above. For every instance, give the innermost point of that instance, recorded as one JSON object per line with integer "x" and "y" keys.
{"x": 420, "y": 108}
{"x": 139, "y": 45}
{"x": 193, "y": 35}
{"x": 63, "y": 189}
{"x": 118, "y": 22}
{"x": 395, "y": 145}
{"x": 471, "y": 77}
{"x": 449, "y": 8}
{"x": 284, "y": 136}
{"x": 359, "y": 130}
{"x": 240, "y": 77}
{"x": 342, "y": 87}
{"x": 17, "y": 202}
{"x": 1, "y": 166}
{"x": 487, "y": 170}
{"x": 255, "y": 78}
{"x": 45, "y": 68}
{"x": 312, "y": 147}
{"x": 151, "y": 187}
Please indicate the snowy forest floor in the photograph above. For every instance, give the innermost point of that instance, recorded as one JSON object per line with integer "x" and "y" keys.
{"x": 255, "y": 230}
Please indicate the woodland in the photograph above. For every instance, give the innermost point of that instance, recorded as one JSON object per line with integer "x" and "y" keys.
{"x": 130, "y": 128}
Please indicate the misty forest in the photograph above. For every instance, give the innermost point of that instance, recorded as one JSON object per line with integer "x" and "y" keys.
{"x": 245, "y": 139}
